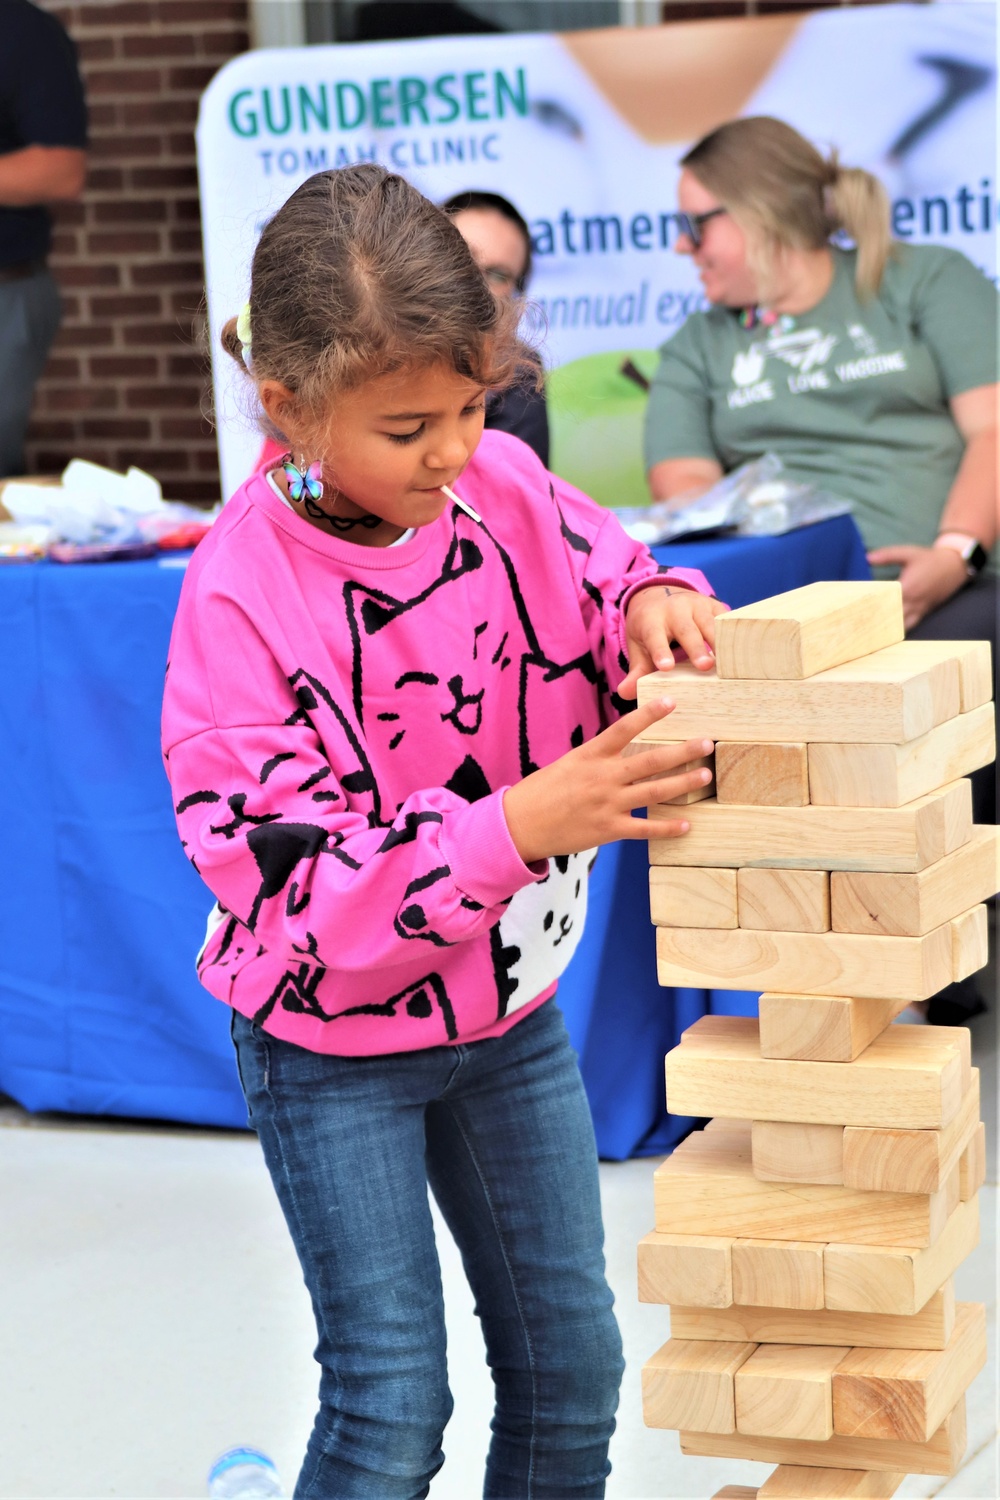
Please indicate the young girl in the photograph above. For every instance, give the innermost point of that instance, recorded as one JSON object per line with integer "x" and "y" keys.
{"x": 383, "y": 731}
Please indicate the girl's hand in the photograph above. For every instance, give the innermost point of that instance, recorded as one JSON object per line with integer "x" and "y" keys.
{"x": 657, "y": 616}
{"x": 929, "y": 576}
{"x": 587, "y": 797}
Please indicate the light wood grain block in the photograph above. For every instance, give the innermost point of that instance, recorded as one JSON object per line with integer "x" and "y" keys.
{"x": 910, "y": 1077}
{"x": 930, "y": 1328}
{"x": 908, "y": 905}
{"x": 907, "y": 1394}
{"x": 696, "y": 794}
{"x": 888, "y": 775}
{"x": 899, "y": 1281}
{"x": 942, "y": 1455}
{"x": 692, "y": 898}
{"x": 692, "y": 1382}
{"x": 823, "y": 1028}
{"x": 710, "y": 1189}
{"x": 970, "y": 942}
{"x": 794, "y": 1482}
{"x": 784, "y": 900}
{"x": 975, "y": 667}
{"x": 786, "y": 1390}
{"x": 909, "y": 1161}
{"x": 784, "y": 1152}
{"x": 804, "y": 631}
{"x": 895, "y": 839}
{"x": 693, "y": 1269}
{"x": 768, "y": 775}
{"x": 888, "y": 697}
{"x": 822, "y": 963}
{"x": 972, "y": 1165}
{"x": 735, "y": 1492}
{"x": 777, "y": 1273}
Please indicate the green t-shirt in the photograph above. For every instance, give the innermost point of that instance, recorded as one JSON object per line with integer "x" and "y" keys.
{"x": 852, "y": 396}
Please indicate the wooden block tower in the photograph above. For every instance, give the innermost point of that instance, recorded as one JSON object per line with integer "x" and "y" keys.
{"x": 807, "y": 1238}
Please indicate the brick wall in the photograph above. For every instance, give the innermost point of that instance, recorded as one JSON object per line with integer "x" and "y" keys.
{"x": 128, "y": 377}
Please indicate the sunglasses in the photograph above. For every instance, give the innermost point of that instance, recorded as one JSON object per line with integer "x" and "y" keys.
{"x": 691, "y": 224}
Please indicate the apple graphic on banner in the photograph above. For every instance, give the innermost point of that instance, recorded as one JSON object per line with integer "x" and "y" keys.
{"x": 596, "y": 409}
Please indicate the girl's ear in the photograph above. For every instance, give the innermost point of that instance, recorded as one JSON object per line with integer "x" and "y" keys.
{"x": 279, "y": 403}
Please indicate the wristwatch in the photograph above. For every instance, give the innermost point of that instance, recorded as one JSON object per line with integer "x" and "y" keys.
{"x": 969, "y": 548}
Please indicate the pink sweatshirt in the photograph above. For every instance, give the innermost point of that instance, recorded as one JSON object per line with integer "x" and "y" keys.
{"x": 339, "y": 726}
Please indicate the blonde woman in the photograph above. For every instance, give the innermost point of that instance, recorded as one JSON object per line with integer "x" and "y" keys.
{"x": 871, "y": 371}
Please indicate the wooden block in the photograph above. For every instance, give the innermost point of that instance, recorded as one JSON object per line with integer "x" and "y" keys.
{"x": 903, "y": 1079}
{"x": 908, "y": 1161}
{"x": 692, "y": 1381}
{"x": 942, "y": 1455}
{"x": 888, "y": 697}
{"x": 709, "y": 1189}
{"x": 910, "y": 905}
{"x": 786, "y": 1390}
{"x": 735, "y": 1492}
{"x": 889, "y": 775}
{"x": 930, "y": 1328}
{"x": 906, "y": 1394}
{"x": 693, "y": 1269}
{"x": 975, "y": 667}
{"x": 778, "y": 1273}
{"x": 822, "y": 1028}
{"x": 972, "y": 1165}
{"x": 783, "y": 900}
{"x": 898, "y": 1281}
{"x": 804, "y": 631}
{"x": 692, "y": 898}
{"x": 637, "y": 746}
{"x": 970, "y": 942}
{"x": 933, "y": 1038}
{"x": 895, "y": 839}
{"x": 822, "y": 963}
{"x": 775, "y": 775}
{"x": 783, "y": 1152}
{"x": 793, "y": 1482}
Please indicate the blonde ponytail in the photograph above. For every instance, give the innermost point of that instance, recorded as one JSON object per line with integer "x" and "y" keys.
{"x": 784, "y": 194}
{"x": 859, "y": 205}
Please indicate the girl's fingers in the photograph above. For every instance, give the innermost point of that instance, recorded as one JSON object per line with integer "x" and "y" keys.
{"x": 656, "y": 643}
{"x": 613, "y": 740}
{"x": 690, "y": 637}
{"x": 666, "y": 788}
{"x": 660, "y": 760}
{"x": 641, "y": 666}
{"x": 656, "y": 828}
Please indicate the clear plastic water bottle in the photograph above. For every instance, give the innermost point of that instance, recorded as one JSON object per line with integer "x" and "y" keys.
{"x": 243, "y": 1474}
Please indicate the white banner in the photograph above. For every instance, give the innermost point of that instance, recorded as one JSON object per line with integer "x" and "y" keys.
{"x": 583, "y": 132}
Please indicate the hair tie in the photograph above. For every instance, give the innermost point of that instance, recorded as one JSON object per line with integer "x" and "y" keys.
{"x": 243, "y": 332}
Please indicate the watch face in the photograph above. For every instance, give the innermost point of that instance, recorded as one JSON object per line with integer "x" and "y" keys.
{"x": 976, "y": 558}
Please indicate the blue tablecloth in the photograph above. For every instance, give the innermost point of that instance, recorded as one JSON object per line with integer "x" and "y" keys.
{"x": 101, "y": 914}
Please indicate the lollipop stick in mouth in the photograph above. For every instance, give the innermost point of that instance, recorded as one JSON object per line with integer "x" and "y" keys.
{"x": 462, "y": 504}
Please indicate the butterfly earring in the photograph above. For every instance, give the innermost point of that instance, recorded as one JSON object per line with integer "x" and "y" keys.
{"x": 302, "y": 480}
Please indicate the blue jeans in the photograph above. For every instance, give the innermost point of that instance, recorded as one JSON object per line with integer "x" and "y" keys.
{"x": 501, "y": 1131}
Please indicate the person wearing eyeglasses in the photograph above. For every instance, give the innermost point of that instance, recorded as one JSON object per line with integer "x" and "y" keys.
{"x": 870, "y": 371}
{"x": 500, "y": 241}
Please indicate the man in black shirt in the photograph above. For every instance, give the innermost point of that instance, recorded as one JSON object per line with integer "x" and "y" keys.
{"x": 43, "y": 136}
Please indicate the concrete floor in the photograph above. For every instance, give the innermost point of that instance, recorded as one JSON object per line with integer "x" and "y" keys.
{"x": 152, "y": 1315}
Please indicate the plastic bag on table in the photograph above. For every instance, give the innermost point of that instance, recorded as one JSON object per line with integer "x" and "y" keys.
{"x": 757, "y": 499}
